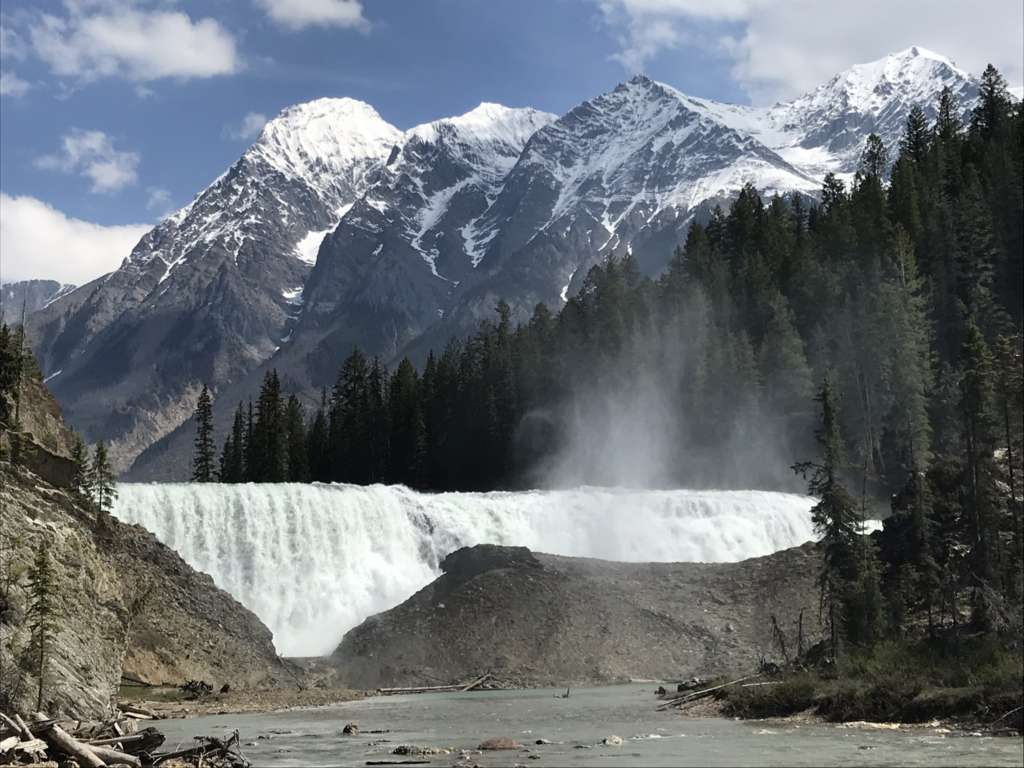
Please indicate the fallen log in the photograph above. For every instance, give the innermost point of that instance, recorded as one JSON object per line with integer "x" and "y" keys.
{"x": 34, "y": 747}
{"x": 693, "y": 696}
{"x": 6, "y": 745}
{"x": 146, "y": 740}
{"x": 208, "y": 746}
{"x": 113, "y": 756}
{"x": 138, "y": 712}
{"x": 12, "y": 726}
{"x": 456, "y": 688}
{"x": 60, "y": 739}
{"x": 476, "y": 682}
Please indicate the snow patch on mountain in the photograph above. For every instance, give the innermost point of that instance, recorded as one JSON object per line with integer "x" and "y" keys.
{"x": 308, "y": 247}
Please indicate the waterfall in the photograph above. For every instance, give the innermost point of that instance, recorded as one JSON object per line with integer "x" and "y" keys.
{"x": 314, "y": 560}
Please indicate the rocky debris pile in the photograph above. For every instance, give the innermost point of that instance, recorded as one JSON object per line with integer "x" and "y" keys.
{"x": 546, "y": 620}
{"x": 114, "y": 742}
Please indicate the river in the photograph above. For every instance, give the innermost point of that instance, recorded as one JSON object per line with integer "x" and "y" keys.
{"x": 576, "y": 727}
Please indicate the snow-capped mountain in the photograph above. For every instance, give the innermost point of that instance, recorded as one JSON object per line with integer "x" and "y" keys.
{"x": 415, "y": 236}
{"x": 28, "y": 296}
{"x": 398, "y": 256}
{"x": 624, "y": 172}
{"x": 823, "y": 131}
{"x": 203, "y": 297}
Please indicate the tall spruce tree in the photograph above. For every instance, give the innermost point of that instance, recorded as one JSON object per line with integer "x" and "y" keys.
{"x": 980, "y": 484}
{"x": 203, "y": 468}
{"x": 835, "y": 517}
{"x": 80, "y": 464}
{"x": 42, "y": 618}
{"x": 295, "y": 441}
{"x": 102, "y": 484}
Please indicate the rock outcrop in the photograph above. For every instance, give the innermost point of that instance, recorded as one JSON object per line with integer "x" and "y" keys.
{"x": 536, "y": 619}
{"x": 123, "y": 602}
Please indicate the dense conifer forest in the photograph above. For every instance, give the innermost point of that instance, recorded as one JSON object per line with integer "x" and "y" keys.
{"x": 870, "y": 340}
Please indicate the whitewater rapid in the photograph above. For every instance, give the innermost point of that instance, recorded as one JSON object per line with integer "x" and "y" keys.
{"x": 314, "y": 560}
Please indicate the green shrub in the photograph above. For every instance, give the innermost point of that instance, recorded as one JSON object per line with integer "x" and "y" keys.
{"x": 778, "y": 699}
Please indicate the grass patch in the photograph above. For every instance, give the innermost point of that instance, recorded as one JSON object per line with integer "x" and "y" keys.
{"x": 779, "y": 699}
{"x": 971, "y": 679}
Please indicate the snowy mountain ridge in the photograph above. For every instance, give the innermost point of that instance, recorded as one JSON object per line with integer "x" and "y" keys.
{"x": 336, "y": 229}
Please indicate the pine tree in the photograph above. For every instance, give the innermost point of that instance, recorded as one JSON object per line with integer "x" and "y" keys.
{"x": 407, "y": 428}
{"x": 9, "y": 363}
{"x": 102, "y": 484}
{"x": 232, "y": 459}
{"x": 993, "y": 108}
{"x": 80, "y": 461}
{"x": 249, "y": 449}
{"x": 916, "y": 135}
{"x": 204, "y": 450}
{"x": 42, "y": 617}
{"x": 295, "y": 431}
{"x": 835, "y": 517}
{"x": 980, "y": 484}
{"x": 317, "y": 443}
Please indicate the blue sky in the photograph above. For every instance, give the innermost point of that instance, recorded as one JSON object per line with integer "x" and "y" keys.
{"x": 114, "y": 112}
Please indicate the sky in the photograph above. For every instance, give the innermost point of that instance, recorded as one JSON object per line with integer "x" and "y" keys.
{"x": 114, "y": 113}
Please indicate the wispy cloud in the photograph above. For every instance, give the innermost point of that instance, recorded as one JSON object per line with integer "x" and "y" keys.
{"x": 248, "y": 129}
{"x": 158, "y": 200}
{"x": 12, "y": 85}
{"x": 92, "y": 154}
{"x": 295, "y": 15}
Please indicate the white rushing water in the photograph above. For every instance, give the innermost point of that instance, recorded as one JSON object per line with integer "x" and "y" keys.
{"x": 312, "y": 561}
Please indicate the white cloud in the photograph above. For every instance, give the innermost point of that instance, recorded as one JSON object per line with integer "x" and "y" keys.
{"x": 12, "y": 85}
{"x": 12, "y": 46}
{"x": 118, "y": 38}
{"x": 248, "y": 129}
{"x": 299, "y": 14}
{"x": 786, "y": 47}
{"x": 38, "y": 241}
{"x": 159, "y": 200}
{"x": 92, "y": 154}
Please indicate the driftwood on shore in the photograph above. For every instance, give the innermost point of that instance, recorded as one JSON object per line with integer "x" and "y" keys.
{"x": 457, "y": 688}
{"x": 99, "y": 745}
{"x": 692, "y": 696}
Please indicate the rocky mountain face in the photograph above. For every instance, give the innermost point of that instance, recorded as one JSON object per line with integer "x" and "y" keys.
{"x": 415, "y": 236}
{"x": 28, "y": 296}
{"x": 123, "y": 602}
{"x": 538, "y": 620}
{"x": 209, "y": 293}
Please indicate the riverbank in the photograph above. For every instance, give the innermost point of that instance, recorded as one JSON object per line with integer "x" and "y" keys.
{"x": 970, "y": 685}
{"x": 171, "y": 703}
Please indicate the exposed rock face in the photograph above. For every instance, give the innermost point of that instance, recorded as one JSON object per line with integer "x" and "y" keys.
{"x": 28, "y": 295}
{"x": 124, "y": 602}
{"x": 209, "y": 293}
{"x": 544, "y": 620}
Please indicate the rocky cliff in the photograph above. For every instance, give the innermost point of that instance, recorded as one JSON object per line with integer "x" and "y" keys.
{"x": 124, "y": 602}
{"x": 538, "y": 619}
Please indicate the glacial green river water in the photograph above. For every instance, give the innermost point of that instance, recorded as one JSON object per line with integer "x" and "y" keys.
{"x": 575, "y": 726}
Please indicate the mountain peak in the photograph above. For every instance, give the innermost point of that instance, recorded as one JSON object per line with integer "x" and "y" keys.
{"x": 329, "y": 133}
{"x": 915, "y": 51}
{"x": 486, "y": 123}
